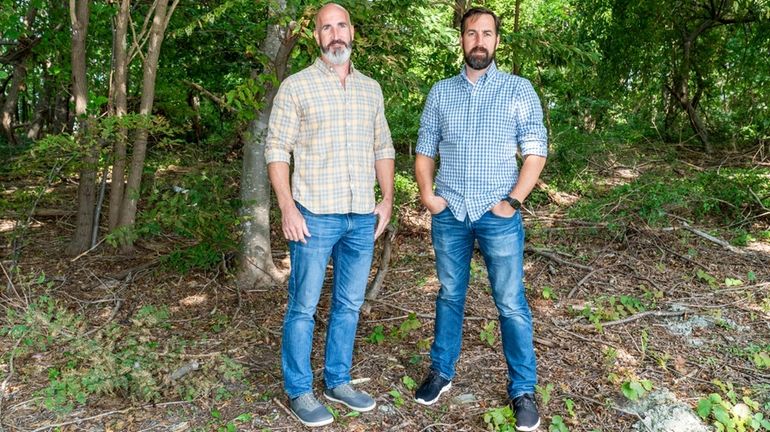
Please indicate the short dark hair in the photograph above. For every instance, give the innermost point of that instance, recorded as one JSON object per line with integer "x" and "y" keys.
{"x": 472, "y": 12}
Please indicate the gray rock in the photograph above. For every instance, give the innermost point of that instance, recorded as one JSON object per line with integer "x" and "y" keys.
{"x": 464, "y": 399}
{"x": 660, "y": 411}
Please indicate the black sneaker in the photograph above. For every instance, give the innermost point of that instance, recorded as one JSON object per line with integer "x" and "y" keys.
{"x": 525, "y": 410}
{"x": 431, "y": 388}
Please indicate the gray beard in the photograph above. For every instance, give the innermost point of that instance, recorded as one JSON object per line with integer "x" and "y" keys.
{"x": 338, "y": 56}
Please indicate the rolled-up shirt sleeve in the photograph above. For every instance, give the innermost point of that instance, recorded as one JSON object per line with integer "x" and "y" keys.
{"x": 383, "y": 142}
{"x": 532, "y": 135}
{"x": 283, "y": 127}
{"x": 430, "y": 127}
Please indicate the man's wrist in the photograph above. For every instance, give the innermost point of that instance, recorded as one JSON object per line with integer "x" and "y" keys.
{"x": 513, "y": 202}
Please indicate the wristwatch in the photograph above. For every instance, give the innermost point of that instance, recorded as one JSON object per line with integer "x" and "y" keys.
{"x": 516, "y": 204}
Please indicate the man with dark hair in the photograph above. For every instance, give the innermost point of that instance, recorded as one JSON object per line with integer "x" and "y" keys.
{"x": 330, "y": 118}
{"x": 477, "y": 122}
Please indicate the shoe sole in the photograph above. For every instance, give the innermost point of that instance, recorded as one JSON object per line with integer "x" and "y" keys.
{"x": 312, "y": 424}
{"x": 355, "y": 408}
{"x": 529, "y": 428}
{"x": 431, "y": 402}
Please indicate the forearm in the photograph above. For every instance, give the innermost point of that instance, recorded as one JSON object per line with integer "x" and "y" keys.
{"x": 385, "y": 170}
{"x": 424, "y": 167}
{"x": 279, "y": 178}
{"x": 528, "y": 176}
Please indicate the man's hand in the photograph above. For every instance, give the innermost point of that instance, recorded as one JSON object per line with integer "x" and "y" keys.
{"x": 293, "y": 224}
{"x": 434, "y": 203}
{"x": 503, "y": 209}
{"x": 383, "y": 211}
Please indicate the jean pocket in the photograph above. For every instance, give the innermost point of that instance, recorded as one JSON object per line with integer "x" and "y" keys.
{"x": 446, "y": 209}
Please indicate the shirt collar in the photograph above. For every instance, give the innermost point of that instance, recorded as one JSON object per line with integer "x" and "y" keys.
{"x": 325, "y": 68}
{"x": 488, "y": 75}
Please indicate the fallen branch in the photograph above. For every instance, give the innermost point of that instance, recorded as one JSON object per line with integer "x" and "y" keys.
{"x": 634, "y": 318}
{"x": 373, "y": 290}
{"x": 552, "y": 256}
{"x": 713, "y": 239}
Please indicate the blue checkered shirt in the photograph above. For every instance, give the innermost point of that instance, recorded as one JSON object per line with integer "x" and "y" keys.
{"x": 476, "y": 130}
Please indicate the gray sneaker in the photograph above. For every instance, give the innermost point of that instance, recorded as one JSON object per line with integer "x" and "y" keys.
{"x": 309, "y": 411}
{"x": 354, "y": 399}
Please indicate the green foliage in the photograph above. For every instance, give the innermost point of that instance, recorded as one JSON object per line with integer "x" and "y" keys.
{"x": 557, "y": 425}
{"x": 548, "y": 293}
{"x": 634, "y": 389}
{"x": 410, "y": 324}
{"x": 489, "y": 333}
{"x": 408, "y": 382}
{"x": 200, "y": 209}
{"x": 500, "y": 419}
{"x": 398, "y": 398}
{"x": 131, "y": 361}
{"x": 544, "y": 392}
{"x": 377, "y": 336}
{"x": 722, "y": 195}
{"x": 611, "y": 308}
{"x": 729, "y": 415}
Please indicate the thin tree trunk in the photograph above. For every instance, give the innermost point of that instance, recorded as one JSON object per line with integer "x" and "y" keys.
{"x": 131, "y": 193}
{"x": 42, "y": 109}
{"x": 256, "y": 267}
{"x": 81, "y": 240}
{"x": 119, "y": 91}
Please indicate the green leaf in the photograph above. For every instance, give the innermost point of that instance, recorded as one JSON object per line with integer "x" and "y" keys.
{"x": 730, "y": 282}
{"x": 704, "y": 408}
{"x": 244, "y": 418}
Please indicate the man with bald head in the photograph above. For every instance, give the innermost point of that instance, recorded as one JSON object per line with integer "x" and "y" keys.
{"x": 330, "y": 119}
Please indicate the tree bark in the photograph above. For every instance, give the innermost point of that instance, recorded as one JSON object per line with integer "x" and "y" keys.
{"x": 19, "y": 59}
{"x": 81, "y": 240}
{"x": 256, "y": 267}
{"x": 11, "y": 101}
{"x": 131, "y": 194}
{"x": 119, "y": 93}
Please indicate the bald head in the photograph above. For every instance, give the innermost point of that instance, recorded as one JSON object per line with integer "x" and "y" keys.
{"x": 328, "y": 8}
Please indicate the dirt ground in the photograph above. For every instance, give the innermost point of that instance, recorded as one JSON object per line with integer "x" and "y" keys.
{"x": 686, "y": 335}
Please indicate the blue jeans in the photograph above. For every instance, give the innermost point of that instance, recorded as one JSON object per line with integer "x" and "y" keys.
{"x": 349, "y": 240}
{"x": 501, "y": 241}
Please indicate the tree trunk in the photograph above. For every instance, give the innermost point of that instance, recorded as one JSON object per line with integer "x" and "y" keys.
{"x": 11, "y": 100}
{"x": 256, "y": 267}
{"x": 19, "y": 58}
{"x": 81, "y": 240}
{"x": 43, "y": 107}
{"x": 119, "y": 92}
{"x": 131, "y": 194}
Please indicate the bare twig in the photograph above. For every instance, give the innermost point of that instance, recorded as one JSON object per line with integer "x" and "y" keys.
{"x": 636, "y": 317}
{"x": 713, "y": 239}
{"x": 89, "y": 250}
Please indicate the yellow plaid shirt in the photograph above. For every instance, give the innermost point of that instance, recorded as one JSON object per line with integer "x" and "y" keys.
{"x": 335, "y": 134}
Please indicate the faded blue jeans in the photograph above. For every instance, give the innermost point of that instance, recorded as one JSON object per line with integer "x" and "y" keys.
{"x": 501, "y": 241}
{"x": 349, "y": 240}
